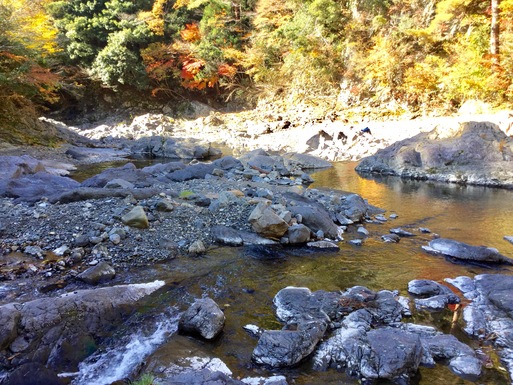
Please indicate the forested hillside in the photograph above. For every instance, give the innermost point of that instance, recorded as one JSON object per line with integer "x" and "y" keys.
{"x": 413, "y": 53}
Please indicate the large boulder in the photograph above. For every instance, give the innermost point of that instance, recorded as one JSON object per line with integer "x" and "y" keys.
{"x": 266, "y": 222}
{"x": 59, "y": 332}
{"x": 204, "y": 317}
{"x": 474, "y": 153}
{"x": 464, "y": 252}
{"x": 33, "y": 187}
{"x": 282, "y": 348}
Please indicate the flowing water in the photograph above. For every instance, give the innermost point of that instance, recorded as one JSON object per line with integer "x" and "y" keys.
{"x": 244, "y": 284}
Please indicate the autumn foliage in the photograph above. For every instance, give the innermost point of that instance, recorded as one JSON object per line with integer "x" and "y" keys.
{"x": 368, "y": 52}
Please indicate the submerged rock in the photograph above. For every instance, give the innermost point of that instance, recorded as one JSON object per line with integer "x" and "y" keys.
{"x": 465, "y": 252}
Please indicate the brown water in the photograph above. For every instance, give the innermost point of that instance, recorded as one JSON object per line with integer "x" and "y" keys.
{"x": 245, "y": 286}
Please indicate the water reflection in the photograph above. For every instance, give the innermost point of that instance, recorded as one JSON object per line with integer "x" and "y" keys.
{"x": 472, "y": 214}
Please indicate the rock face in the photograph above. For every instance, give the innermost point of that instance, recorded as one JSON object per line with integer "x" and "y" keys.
{"x": 59, "y": 332}
{"x": 475, "y": 153}
{"x": 491, "y": 311}
{"x": 463, "y": 252}
{"x": 353, "y": 330}
{"x": 204, "y": 317}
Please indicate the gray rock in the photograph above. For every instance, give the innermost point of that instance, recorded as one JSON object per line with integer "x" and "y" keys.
{"x": 100, "y": 273}
{"x": 33, "y": 187}
{"x": 324, "y": 245}
{"x": 60, "y": 331}
{"x": 119, "y": 183}
{"x": 266, "y": 222}
{"x": 136, "y": 218}
{"x": 391, "y": 361}
{"x": 474, "y": 153}
{"x": 465, "y": 252}
{"x": 197, "y": 247}
{"x": 363, "y": 230}
{"x": 298, "y": 233}
{"x": 304, "y": 161}
{"x": 283, "y": 348}
{"x": 508, "y": 238}
{"x": 354, "y": 207}
{"x": 401, "y": 232}
{"x": 204, "y": 317}
{"x": 226, "y": 235}
{"x": 316, "y": 218}
{"x": 467, "y": 366}
{"x": 391, "y": 238}
{"x": 9, "y": 319}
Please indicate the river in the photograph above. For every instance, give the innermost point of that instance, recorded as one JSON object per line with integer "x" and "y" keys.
{"x": 244, "y": 286}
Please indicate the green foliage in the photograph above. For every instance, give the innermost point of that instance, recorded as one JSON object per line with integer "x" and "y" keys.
{"x": 145, "y": 379}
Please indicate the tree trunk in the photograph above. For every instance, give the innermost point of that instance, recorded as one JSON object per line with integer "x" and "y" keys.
{"x": 494, "y": 34}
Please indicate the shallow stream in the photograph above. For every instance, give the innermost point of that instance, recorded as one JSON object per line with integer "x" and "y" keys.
{"x": 244, "y": 286}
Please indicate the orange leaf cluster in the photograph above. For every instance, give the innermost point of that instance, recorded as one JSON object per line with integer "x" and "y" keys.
{"x": 227, "y": 70}
{"x": 191, "y": 33}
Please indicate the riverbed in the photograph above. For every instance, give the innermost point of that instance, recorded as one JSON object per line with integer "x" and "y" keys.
{"x": 244, "y": 283}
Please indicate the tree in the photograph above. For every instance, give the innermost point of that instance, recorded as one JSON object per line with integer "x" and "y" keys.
{"x": 494, "y": 30}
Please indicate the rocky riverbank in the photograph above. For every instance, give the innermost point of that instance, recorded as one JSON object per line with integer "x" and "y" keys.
{"x": 69, "y": 247}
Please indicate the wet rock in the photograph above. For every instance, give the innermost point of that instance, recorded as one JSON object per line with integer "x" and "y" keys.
{"x": 401, "y": 232}
{"x": 354, "y": 207}
{"x": 436, "y": 296}
{"x": 283, "y": 348}
{"x": 33, "y": 373}
{"x": 324, "y": 245}
{"x": 46, "y": 325}
{"x": 9, "y": 319}
{"x": 100, "y": 273}
{"x": 266, "y": 222}
{"x": 204, "y": 317}
{"x": 226, "y": 235}
{"x": 362, "y": 230}
{"x": 396, "y": 361}
{"x": 136, "y": 218}
{"x": 465, "y": 252}
{"x": 315, "y": 218}
{"x": 390, "y": 238}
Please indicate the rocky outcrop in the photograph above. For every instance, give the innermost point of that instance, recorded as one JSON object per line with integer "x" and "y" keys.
{"x": 59, "y": 332}
{"x": 490, "y": 314}
{"x": 467, "y": 253}
{"x": 475, "y": 153}
{"x": 352, "y": 330}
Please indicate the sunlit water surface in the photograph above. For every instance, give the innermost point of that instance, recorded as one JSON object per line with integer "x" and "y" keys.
{"x": 244, "y": 286}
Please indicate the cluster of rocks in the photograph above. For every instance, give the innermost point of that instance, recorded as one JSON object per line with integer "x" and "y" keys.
{"x": 473, "y": 153}
{"x": 352, "y": 330}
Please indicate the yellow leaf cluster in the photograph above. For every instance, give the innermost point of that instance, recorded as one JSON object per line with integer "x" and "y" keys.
{"x": 34, "y": 28}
